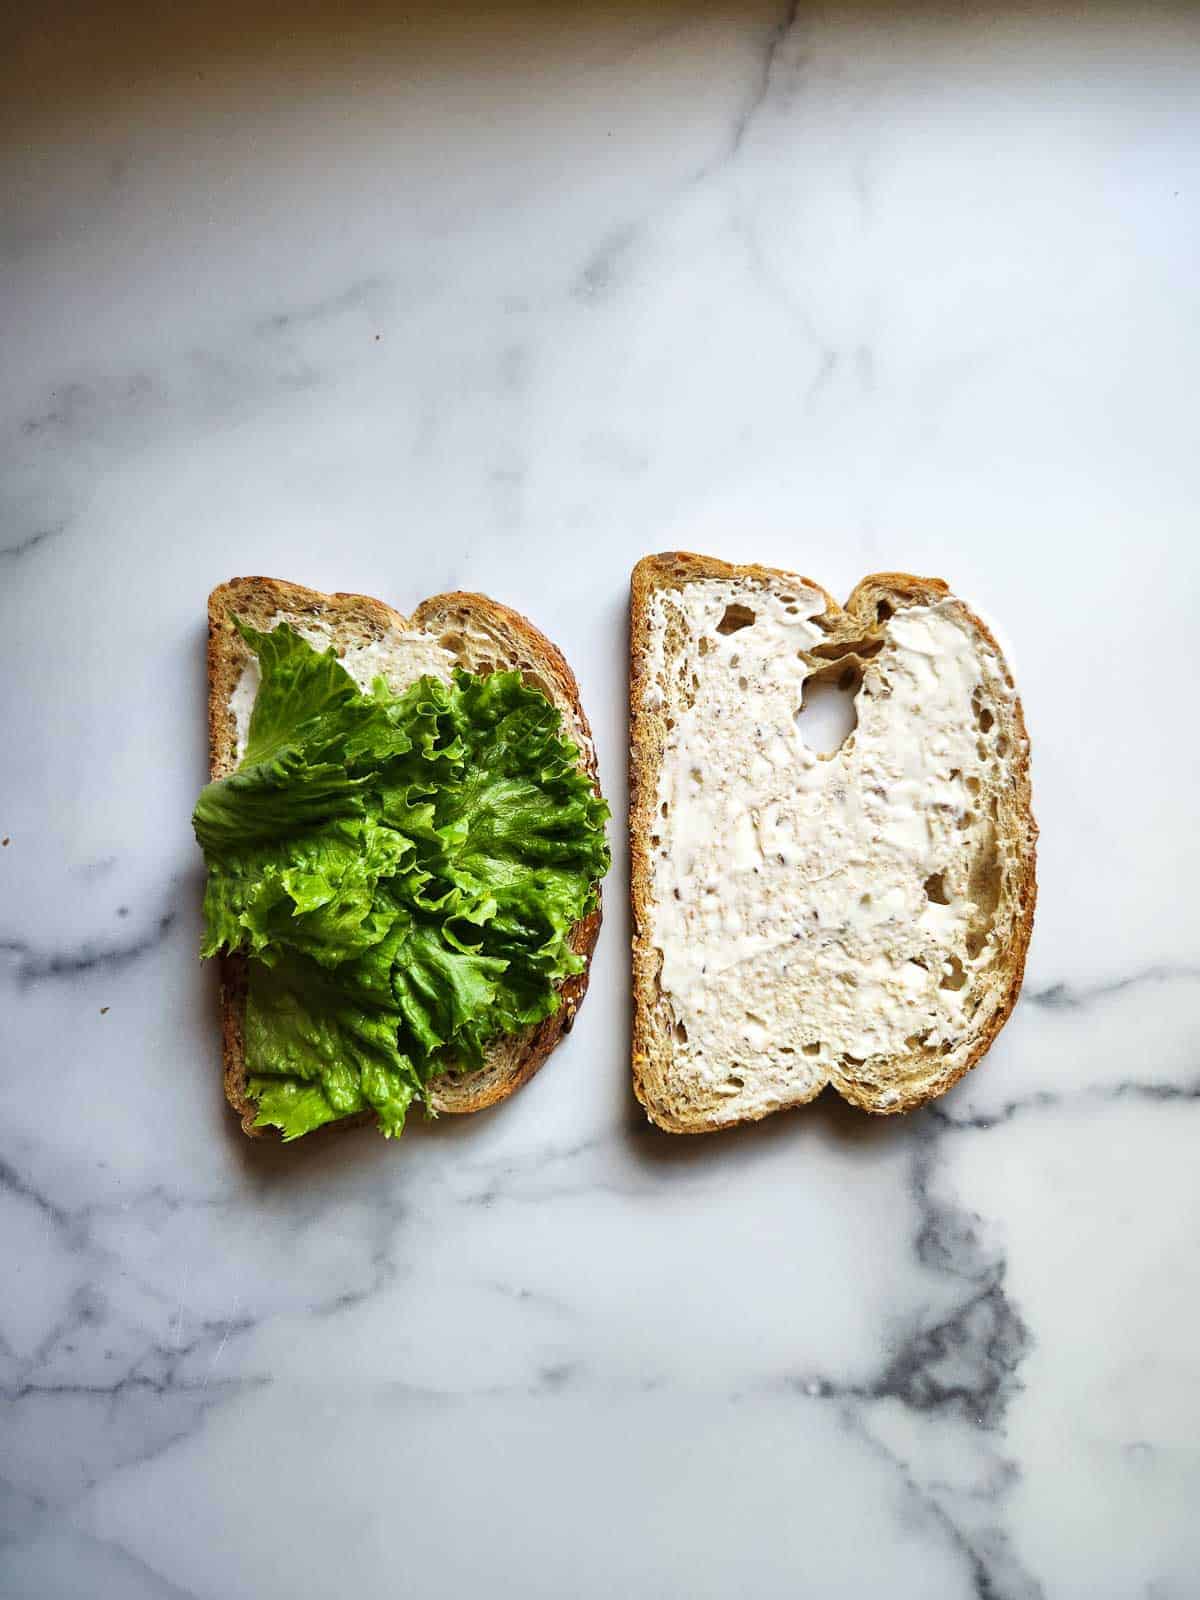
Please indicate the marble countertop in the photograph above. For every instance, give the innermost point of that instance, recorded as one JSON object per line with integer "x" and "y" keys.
{"x": 505, "y": 298}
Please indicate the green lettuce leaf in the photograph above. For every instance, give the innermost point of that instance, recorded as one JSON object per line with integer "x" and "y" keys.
{"x": 315, "y": 1053}
{"x": 404, "y": 870}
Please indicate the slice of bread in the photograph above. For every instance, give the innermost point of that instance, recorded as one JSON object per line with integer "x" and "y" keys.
{"x": 858, "y": 917}
{"x": 448, "y": 631}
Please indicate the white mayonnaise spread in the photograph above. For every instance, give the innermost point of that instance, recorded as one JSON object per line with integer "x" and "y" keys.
{"x": 791, "y": 898}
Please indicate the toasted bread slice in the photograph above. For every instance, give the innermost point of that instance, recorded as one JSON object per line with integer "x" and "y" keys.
{"x": 857, "y": 917}
{"x": 466, "y": 630}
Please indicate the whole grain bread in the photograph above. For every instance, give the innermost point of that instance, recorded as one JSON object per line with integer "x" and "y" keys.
{"x": 995, "y": 876}
{"x": 482, "y": 636}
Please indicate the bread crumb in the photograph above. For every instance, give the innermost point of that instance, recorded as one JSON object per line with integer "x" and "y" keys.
{"x": 104, "y": 1010}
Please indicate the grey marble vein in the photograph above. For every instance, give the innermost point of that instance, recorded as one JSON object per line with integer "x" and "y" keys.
{"x": 12, "y": 1182}
{"x": 369, "y": 296}
{"x": 1049, "y": 1100}
{"x": 962, "y": 1368}
{"x": 605, "y": 267}
{"x": 31, "y": 541}
{"x": 775, "y": 41}
{"x": 255, "y": 365}
{"x": 1071, "y": 997}
{"x": 29, "y": 965}
{"x": 960, "y": 1371}
{"x": 964, "y": 1364}
{"x": 601, "y": 269}
{"x": 992, "y": 1570}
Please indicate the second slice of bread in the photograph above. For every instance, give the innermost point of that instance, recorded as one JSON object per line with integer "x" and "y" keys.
{"x": 858, "y": 918}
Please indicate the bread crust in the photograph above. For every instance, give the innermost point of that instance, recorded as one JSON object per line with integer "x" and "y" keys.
{"x": 512, "y": 1061}
{"x": 858, "y": 617}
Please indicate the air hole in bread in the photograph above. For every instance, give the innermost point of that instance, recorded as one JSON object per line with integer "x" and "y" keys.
{"x": 967, "y": 818}
{"x": 935, "y": 889}
{"x": 985, "y": 719}
{"x": 973, "y": 785}
{"x": 1002, "y": 746}
{"x": 852, "y": 1061}
{"x": 452, "y": 642}
{"x": 743, "y": 684}
{"x": 812, "y": 1049}
{"x": 736, "y": 1081}
{"x": 864, "y": 648}
{"x": 664, "y": 808}
{"x": 975, "y": 942}
{"x": 827, "y": 715}
{"x": 956, "y": 977}
{"x": 705, "y": 645}
{"x": 884, "y": 611}
{"x": 681, "y": 1033}
{"x": 736, "y": 617}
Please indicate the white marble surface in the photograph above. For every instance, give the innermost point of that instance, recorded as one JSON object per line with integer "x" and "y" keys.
{"x": 507, "y": 299}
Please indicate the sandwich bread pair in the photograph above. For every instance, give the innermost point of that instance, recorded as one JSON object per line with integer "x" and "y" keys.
{"x": 405, "y": 841}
